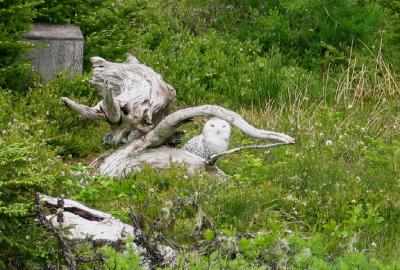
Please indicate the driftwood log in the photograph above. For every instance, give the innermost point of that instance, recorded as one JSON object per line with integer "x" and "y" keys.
{"x": 86, "y": 224}
{"x": 151, "y": 149}
{"x": 135, "y": 98}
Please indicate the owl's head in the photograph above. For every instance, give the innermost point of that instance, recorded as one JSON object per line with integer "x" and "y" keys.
{"x": 217, "y": 128}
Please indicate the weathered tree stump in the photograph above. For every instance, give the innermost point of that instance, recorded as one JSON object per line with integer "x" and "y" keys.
{"x": 61, "y": 49}
{"x": 135, "y": 98}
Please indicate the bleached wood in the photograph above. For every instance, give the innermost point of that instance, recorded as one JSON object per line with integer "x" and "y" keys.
{"x": 166, "y": 128}
{"x": 84, "y": 223}
{"x": 122, "y": 163}
{"x": 110, "y": 107}
{"x": 87, "y": 112}
{"x": 105, "y": 231}
{"x": 149, "y": 149}
{"x": 74, "y": 206}
{"x": 135, "y": 97}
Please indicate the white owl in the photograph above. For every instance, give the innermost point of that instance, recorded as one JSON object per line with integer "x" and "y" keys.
{"x": 213, "y": 140}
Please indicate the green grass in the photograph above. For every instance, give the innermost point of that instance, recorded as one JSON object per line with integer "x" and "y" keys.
{"x": 336, "y": 190}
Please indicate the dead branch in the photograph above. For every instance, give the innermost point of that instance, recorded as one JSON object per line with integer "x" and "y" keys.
{"x": 167, "y": 127}
{"x": 57, "y": 232}
{"x": 214, "y": 158}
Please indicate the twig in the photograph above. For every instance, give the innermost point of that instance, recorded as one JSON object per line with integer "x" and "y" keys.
{"x": 64, "y": 247}
{"x": 214, "y": 158}
{"x": 153, "y": 255}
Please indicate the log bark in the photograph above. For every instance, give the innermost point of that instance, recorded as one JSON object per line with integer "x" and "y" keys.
{"x": 135, "y": 98}
{"x": 150, "y": 148}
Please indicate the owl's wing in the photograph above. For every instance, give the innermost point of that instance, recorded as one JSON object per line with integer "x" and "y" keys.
{"x": 192, "y": 143}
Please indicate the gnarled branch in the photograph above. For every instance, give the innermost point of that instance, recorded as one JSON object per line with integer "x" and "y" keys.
{"x": 93, "y": 113}
{"x": 167, "y": 127}
{"x": 150, "y": 150}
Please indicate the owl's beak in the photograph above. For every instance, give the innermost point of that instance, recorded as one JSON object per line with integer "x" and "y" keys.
{"x": 280, "y": 137}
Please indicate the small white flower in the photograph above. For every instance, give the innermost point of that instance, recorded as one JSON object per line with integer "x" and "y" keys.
{"x": 166, "y": 211}
{"x": 328, "y": 143}
{"x": 151, "y": 189}
{"x": 374, "y": 244}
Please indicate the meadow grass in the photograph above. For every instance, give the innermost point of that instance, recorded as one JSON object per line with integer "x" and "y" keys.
{"x": 300, "y": 67}
{"x": 335, "y": 194}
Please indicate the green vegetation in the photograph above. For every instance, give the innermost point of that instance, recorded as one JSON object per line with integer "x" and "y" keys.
{"x": 322, "y": 71}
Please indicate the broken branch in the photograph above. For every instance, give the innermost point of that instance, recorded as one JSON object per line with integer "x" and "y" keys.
{"x": 213, "y": 159}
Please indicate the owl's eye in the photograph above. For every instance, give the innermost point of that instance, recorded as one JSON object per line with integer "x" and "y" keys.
{"x": 223, "y": 126}
{"x": 212, "y": 125}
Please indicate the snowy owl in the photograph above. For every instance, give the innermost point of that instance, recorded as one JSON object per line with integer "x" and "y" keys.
{"x": 213, "y": 140}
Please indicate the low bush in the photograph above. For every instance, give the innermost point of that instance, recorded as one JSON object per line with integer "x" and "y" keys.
{"x": 15, "y": 19}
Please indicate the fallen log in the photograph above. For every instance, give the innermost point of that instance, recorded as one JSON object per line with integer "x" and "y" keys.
{"x": 86, "y": 224}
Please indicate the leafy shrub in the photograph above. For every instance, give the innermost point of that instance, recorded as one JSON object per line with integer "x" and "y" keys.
{"x": 314, "y": 29}
{"x": 313, "y": 32}
{"x": 37, "y": 135}
{"x": 67, "y": 11}
{"x": 127, "y": 260}
{"x": 392, "y": 31}
{"x": 15, "y": 19}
